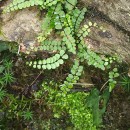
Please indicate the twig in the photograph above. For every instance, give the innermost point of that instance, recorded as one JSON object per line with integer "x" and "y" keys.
{"x": 36, "y": 78}
{"x": 104, "y": 85}
{"x": 18, "y": 50}
{"x": 83, "y": 84}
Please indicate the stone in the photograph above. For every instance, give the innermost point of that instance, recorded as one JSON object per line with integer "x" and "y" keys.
{"x": 20, "y": 26}
{"x": 111, "y": 42}
{"x": 117, "y": 10}
{"x": 23, "y": 27}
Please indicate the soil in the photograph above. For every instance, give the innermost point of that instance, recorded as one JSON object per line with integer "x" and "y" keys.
{"x": 117, "y": 116}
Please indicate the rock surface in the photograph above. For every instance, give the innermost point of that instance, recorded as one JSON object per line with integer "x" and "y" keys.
{"x": 20, "y": 26}
{"x": 23, "y": 26}
{"x": 116, "y": 116}
{"x": 114, "y": 15}
{"x": 112, "y": 42}
{"x": 117, "y": 10}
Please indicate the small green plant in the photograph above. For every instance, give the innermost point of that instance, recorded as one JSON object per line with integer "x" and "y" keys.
{"x": 8, "y": 65}
{"x": 27, "y": 115}
{"x": 50, "y": 63}
{"x": 98, "y": 104}
{"x": 112, "y": 75}
{"x": 72, "y": 103}
{"x": 8, "y": 77}
{"x": 109, "y": 60}
{"x": 2, "y": 94}
{"x": 16, "y": 108}
{"x": 125, "y": 83}
{"x": 73, "y": 77}
{"x": 1, "y": 82}
{"x": 72, "y": 42}
{"x": 21, "y": 4}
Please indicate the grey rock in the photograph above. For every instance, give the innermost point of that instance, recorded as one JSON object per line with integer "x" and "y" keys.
{"x": 20, "y": 26}
{"x": 117, "y": 10}
{"x": 111, "y": 42}
{"x": 24, "y": 26}
{"x": 114, "y": 15}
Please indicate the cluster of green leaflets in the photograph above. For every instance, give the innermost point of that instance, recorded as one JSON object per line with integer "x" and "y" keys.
{"x": 79, "y": 15}
{"x": 69, "y": 40}
{"x": 48, "y": 45}
{"x": 49, "y": 63}
{"x": 21, "y": 4}
{"x": 73, "y": 77}
{"x": 52, "y": 45}
{"x": 73, "y": 104}
{"x": 112, "y": 75}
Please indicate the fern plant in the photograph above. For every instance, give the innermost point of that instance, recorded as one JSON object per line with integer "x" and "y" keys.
{"x": 65, "y": 19}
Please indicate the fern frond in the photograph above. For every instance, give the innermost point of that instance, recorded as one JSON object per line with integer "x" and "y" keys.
{"x": 49, "y": 3}
{"x": 59, "y": 17}
{"x": 69, "y": 40}
{"x": 21, "y": 4}
{"x": 48, "y": 22}
{"x": 68, "y": 22}
{"x": 73, "y": 77}
{"x": 48, "y": 45}
{"x": 49, "y": 63}
{"x": 54, "y": 20}
{"x": 77, "y": 17}
{"x": 91, "y": 57}
{"x": 70, "y": 4}
{"x": 84, "y": 31}
{"x": 94, "y": 59}
{"x": 52, "y": 45}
